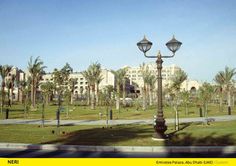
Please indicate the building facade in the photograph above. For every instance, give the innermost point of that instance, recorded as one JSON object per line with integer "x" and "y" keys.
{"x": 82, "y": 84}
{"x": 135, "y": 76}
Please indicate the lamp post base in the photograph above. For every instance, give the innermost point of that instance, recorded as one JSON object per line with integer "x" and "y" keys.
{"x": 159, "y": 137}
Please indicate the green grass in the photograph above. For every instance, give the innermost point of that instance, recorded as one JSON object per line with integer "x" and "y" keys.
{"x": 85, "y": 113}
{"x": 217, "y": 133}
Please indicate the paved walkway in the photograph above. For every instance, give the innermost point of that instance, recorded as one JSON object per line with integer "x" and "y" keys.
{"x": 114, "y": 122}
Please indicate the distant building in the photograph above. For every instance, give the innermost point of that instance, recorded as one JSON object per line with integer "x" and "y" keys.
{"x": 135, "y": 76}
{"x": 82, "y": 84}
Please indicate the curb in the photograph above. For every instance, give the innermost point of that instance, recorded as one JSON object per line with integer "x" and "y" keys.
{"x": 145, "y": 149}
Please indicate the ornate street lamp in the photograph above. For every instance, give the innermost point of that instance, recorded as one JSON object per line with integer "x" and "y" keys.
{"x": 159, "y": 122}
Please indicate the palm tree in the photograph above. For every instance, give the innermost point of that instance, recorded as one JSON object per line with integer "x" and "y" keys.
{"x": 36, "y": 70}
{"x": 99, "y": 80}
{"x": 234, "y": 92}
{"x": 151, "y": 85}
{"x": 8, "y": 86}
{"x": 219, "y": 88}
{"x": 119, "y": 80}
{"x": 72, "y": 82}
{"x": 93, "y": 75}
{"x": 47, "y": 91}
{"x": 146, "y": 75}
{"x": 205, "y": 95}
{"x": 25, "y": 88}
{"x": 225, "y": 80}
{"x": 12, "y": 83}
{"x": 87, "y": 77}
{"x": 4, "y": 71}
{"x": 177, "y": 80}
{"x": 20, "y": 85}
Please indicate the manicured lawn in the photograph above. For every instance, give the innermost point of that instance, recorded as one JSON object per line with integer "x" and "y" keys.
{"x": 85, "y": 113}
{"x": 217, "y": 133}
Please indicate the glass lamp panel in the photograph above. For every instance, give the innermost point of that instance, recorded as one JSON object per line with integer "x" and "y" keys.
{"x": 144, "y": 45}
{"x": 173, "y": 45}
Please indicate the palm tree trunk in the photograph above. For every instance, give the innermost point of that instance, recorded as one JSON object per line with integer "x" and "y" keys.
{"x": 97, "y": 96}
{"x": 229, "y": 101}
{"x": 150, "y": 96}
{"x": 34, "y": 99}
{"x": 123, "y": 87}
{"x": 3, "y": 95}
{"x": 32, "y": 94}
{"x": 118, "y": 97}
{"x": 18, "y": 93}
{"x": 8, "y": 96}
{"x": 93, "y": 98}
{"x": 221, "y": 102}
{"x": 12, "y": 88}
{"x": 88, "y": 95}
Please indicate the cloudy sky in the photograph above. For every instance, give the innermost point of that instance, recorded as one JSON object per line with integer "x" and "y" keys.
{"x": 84, "y": 31}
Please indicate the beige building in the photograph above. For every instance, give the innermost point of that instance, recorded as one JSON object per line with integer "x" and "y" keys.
{"x": 135, "y": 76}
{"x": 81, "y": 86}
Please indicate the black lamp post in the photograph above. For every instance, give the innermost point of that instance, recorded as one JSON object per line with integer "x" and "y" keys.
{"x": 173, "y": 45}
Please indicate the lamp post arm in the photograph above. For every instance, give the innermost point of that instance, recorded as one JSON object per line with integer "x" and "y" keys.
{"x": 149, "y": 56}
{"x": 171, "y": 56}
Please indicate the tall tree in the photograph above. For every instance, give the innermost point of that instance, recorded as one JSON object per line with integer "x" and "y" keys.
{"x": 119, "y": 80}
{"x": 87, "y": 76}
{"x": 205, "y": 95}
{"x": 177, "y": 81}
{"x": 225, "y": 80}
{"x": 12, "y": 80}
{"x": 146, "y": 75}
{"x": 47, "y": 91}
{"x": 92, "y": 75}
{"x": 123, "y": 77}
{"x": 8, "y": 85}
{"x": 219, "y": 89}
{"x": 72, "y": 83}
{"x": 151, "y": 85}
{"x": 98, "y": 81}
{"x": 25, "y": 88}
{"x": 36, "y": 70}
{"x": 4, "y": 71}
{"x": 61, "y": 80}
